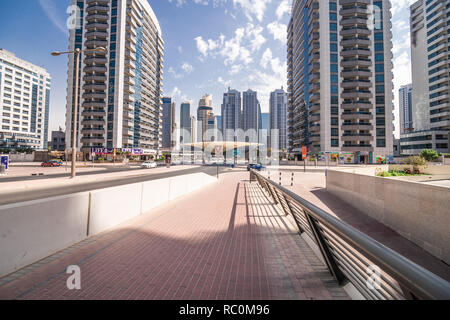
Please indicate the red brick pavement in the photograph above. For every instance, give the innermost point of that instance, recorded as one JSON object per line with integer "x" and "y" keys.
{"x": 226, "y": 241}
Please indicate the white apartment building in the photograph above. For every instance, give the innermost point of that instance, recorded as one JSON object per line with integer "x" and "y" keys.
{"x": 120, "y": 90}
{"x": 340, "y": 78}
{"x": 24, "y": 103}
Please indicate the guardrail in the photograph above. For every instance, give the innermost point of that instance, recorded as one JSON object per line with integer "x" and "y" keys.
{"x": 376, "y": 271}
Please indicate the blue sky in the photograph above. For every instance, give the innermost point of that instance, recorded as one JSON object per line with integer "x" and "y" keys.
{"x": 209, "y": 45}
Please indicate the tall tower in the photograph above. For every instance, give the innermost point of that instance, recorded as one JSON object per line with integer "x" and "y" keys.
{"x": 231, "y": 114}
{"x": 204, "y": 114}
{"x": 250, "y": 111}
{"x": 186, "y": 122}
{"x": 278, "y": 119}
{"x": 168, "y": 123}
{"x": 431, "y": 75}
{"x": 340, "y": 78}
{"x": 406, "y": 112}
{"x": 120, "y": 90}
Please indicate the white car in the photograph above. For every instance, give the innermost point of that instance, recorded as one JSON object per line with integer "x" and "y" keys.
{"x": 149, "y": 165}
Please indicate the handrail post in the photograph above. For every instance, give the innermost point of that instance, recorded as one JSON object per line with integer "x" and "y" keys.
{"x": 326, "y": 253}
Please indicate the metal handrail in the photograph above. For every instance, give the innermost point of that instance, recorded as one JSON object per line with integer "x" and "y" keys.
{"x": 348, "y": 251}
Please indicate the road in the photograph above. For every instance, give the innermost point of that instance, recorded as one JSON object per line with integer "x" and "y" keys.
{"x": 61, "y": 186}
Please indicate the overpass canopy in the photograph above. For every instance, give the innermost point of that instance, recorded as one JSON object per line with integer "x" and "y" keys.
{"x": 225, "y": 145}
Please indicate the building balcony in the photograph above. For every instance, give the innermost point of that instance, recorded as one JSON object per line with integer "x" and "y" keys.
{"x": 92, "y": 140}
{"x": 356, "y": 73}
{"x": 94, "y": 43}
{"x": 97, "y": 17}
{"x": 96, "y": 60}
{"x": 94, "y": 104}
{"x": 96, "y": 87}
{"x": 356, "y": 63}
{"x": 93, "y": 113}
{"x": 97, "y": 8}
{"x": 93, "y": 131}
{"x": 349, "y": 84}
{"x": 356, "y": 94}
{"x": 357, "y": 116}
{"x": 97, "y": 26}
{"x": 357, "y": 137}
{"x": 94, "y": 95}
{"x": 357, "y": 126}
{"x": 95, "y": 69}
{"x": 99, "y": 78}
{"x": 93, "y": 122}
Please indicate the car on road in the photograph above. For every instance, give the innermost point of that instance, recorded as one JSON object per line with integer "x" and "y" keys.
{"x": 149, "y": 165}
{"x": 255, "y": 166}
{"x": 51, "y": 163}
{"x": 58, "y": 161}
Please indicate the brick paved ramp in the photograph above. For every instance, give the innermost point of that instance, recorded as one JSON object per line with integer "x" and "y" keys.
{"x": 226, "y": 241}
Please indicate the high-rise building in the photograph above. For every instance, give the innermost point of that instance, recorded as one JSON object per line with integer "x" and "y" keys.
{"x": 278, "y": 119}
{"x": 340, "y": 78}
{"x": 406, "y": 112}
{"x": 24, "y": 103}
{"x": 251, "y": 111}
{"x": 430, "y": 78}
{"x": 120, "y": 90}
{"x": 265, "y": 129}
{"x": 204, "y": 116}
{"x": 231, "y": 114}
{"x": 168, "y": 124}
{"x": 219, "y": 125}
{"x": 186, "y": 122}
{"x": 58, "y": 141}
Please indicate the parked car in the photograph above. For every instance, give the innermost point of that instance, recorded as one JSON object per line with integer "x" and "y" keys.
{"x": 255, "y": 166}
{"x": 149, "y": 165}
{"x": 50, "y": 163}
{"x": 58, "y": 161}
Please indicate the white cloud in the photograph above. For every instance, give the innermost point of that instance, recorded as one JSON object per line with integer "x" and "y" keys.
{"x": 278, "y": 30}
{"x": 188, "y": 68}
{"x": 251, "y": 8}
{"x": 283, "y": 8}
{"x": 50, "y": 10}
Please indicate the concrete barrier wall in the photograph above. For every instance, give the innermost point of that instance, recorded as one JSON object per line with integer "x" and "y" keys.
{"x": 30, "y": 231}
{"x": 112, "y": 206}
{"x": 419, "y": 212}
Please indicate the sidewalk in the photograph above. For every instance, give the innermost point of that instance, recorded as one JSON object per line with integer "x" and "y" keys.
{"x": 226, "y": 241}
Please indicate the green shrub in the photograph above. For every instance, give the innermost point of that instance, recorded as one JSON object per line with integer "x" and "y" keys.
{"x": 415, "y": 161}
{"x": 429, "y": 154}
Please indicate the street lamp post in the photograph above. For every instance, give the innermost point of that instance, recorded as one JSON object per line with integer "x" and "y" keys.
{"x": 77, "y": 53}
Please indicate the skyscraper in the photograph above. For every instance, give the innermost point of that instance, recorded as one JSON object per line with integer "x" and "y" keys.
{"x": 24, "y": 103}
{"x": 265, "y": 128}
{"x": 204, "y": 115}
{"x": 251, "y": 111}
{"x": 231, "y": 114}
{"x": 340, "y": 78}
{"x": 430, "y": 78}
{"x": 406, "y": 115}
{"x": 278, "y": 119}
{"x": 168, "y": 123}
{"x": 186, "y": 122}
{"x": 120, "y": 90}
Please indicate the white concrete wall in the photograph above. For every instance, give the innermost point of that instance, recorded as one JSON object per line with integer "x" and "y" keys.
{"x": 21, "y": 157}
{"x": 417, "y": 211}
{"x": 30, "y": 231}
{"x": 112, "y": 206}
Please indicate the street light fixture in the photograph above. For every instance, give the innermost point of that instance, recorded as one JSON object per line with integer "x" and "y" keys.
{"x": 77, "y": 52}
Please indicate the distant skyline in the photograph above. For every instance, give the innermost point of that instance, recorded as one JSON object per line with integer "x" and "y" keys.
{"x": 209, "y": 45}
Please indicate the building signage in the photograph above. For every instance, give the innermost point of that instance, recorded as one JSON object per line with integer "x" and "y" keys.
{"x": 4, "y": 161}
{"x": 104, "y": 151}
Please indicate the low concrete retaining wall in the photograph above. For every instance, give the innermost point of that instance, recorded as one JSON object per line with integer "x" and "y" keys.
{"x": 30, "y": 231}
{"x": 418, "y": 211}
